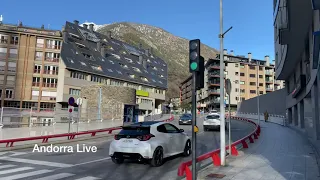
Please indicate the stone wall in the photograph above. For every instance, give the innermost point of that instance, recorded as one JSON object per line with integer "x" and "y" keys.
{"x": 112, "y": 100}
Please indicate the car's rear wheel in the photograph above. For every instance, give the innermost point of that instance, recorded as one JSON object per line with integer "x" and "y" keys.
{"x": 157, "y": 159}
{"x": 187, "y": 149}
{"x": 117, "y": 160}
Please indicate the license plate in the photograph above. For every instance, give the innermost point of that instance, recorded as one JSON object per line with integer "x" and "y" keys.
{"x": 128, "y": 140}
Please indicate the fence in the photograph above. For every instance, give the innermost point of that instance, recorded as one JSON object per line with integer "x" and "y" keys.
{"x": 274, "y": 118}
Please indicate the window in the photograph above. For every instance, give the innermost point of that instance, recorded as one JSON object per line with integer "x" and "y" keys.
{"x": 261, "y": 92}
{"x": 78, "y": 75}
{"x": 236, "y": 73}
{"x": 242, "y": 82}
{"x": 171, "y": 128}
{"x": 53, "y": 44}
{"x": 242, "y": 90}
{"x": 241, "y": 74}
{"x": 252, "y": 67}
{"x": 260, "y": 76}
{"x": 236, "y": 65}
{"x": 237, "y": 90}
{"x": 49, "y": 82}
{"x": 252, "y": 83}
{"x": 40, "y": 43}
{"x": 241, "y": 66}
{"x": 9, "y": 93}
{"x": 88, "y": 56}
{"x": 116, "y": 83}
{"x": 52, "y": 57}
{"x": 96, "y": 79}
{"x": 75, "y": 92}
{"x": 3, "y": 52}
{"x": 36, "y": 81}
{"x": 37, "y": 68}
{"x": 236, "y": 81}
{"x": 252, "y": 75}
{"x": 39, "y": 55}
{"x": 260, "y": 68}
{"x": 242, "y": 98}
{"x": 14, "y": 40}
{"x": 134, "y": 86}
{"x": 260, "y": 84}
{"x": 12, "y": 66}
{"x": 51, "y": 70}
{"x": 252, "y": 91}
{"x": 237, "y": 98}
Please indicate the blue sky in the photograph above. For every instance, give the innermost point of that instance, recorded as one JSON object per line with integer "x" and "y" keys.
{"x": 251, "y": 20}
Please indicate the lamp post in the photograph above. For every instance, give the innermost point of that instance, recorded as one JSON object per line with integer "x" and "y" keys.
{"x": 258, "y": 98}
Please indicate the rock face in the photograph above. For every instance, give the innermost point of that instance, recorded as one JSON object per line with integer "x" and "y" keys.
{"x": 113, "y": 99}
{"x": 172, "y": 49}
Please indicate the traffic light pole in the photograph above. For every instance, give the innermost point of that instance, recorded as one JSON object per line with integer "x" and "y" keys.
{"x": 222, "y": 110}
{"x": 194, "y": 123}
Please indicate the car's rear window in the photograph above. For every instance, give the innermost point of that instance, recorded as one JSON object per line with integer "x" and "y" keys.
{"x": 186, "y": 115}
{"x": 135, "y": 131}
{"x": 213, "y": 117}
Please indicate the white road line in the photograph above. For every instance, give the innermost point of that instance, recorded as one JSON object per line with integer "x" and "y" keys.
{"x": 7, "y": 166}
{"x": 24, "y": 175}
{"x": 36, "y": 162}
{"x": 88, "y": 178}
{"x": 97, "y": 160}
{"x": 15, "y": 153}
{"x": 15, "y": 170}
{"x": 56, "y": 176}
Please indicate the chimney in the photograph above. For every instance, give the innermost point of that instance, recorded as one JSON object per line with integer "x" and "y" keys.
{"x": 85, "y": 26}
{"x": 85, "y": 35}
{"x": 102, "y": 51}
{"x": 65, "y": 38}
{"x": 109, "y": 34}
{"x": 20, "y": 24}
{"x": 42, "y": 26}
{"x": 266, "y": 58}
{"x": 140, "y": 46}
{"x": 225, "y": 51}
{"x": 232, "y": 53}
{"x": 140, "y": 59}
{"x": 144, "y": 63}
{"x": 249, "y": 56}
{"x": 76, "y": 22}
{"x": 146, "y": 52}
{"x": 91, "y": 27}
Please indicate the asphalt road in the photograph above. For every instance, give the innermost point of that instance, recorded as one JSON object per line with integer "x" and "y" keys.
{"x": 29, "y": 165}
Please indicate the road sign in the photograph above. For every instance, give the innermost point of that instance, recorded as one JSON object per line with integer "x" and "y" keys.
{"x": 228, "y": 86}
{"x": 71, "y": 101}
{"x": 70, "y": 110}
{"x": 79, "y": 101}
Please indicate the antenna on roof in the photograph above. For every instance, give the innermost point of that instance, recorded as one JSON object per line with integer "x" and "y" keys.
{"x": 1, "y": 18}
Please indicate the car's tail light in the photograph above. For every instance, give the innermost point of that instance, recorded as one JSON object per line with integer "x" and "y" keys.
{"x": 145, "y": 137}
{"x": 117, "y": 137}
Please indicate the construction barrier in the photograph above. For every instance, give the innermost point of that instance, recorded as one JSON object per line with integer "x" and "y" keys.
{"x": 10, "y": 142}
{"x": 215, "y": 155}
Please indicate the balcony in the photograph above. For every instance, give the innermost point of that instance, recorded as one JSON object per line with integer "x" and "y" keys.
{"x": 35, "y": 84}
{"x": 49, "y": 85}
{"x": 3, "y": 41}
{"x": 270, "y": 73}
{"x": 213, "y": 83}
{"x": 214, "y": 75}
{"x": 15, "y": 42}
{"x": 49, "y": 46}
{"x": 269, "y": 89}
{"x": 269, "y": 81}
{"x": 49, "y": 59}
{"x": 37, "y": 71}
{"x": 215, "y": 67}
{"x": 214, "y": 92}
{"x": 50, "y": 72}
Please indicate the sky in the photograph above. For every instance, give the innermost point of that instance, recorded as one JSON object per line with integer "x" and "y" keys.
{"x": 251, "y": 20}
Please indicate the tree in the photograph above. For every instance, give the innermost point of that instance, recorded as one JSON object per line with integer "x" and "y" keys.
{"x": 186, "y": 106}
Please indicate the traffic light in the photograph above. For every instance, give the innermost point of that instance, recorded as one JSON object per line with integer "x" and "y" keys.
{"x": 194, "y": 55}
{"x": 200, "y": 74}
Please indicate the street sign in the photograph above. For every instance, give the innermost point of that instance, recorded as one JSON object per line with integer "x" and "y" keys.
{"x": 71, "y": 101}
{"x": 228, "y": 86}
{"x": 70, "y": 110}
{"x": 79, "y": 101}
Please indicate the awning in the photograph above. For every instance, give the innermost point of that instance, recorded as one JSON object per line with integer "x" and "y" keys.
{"x": 315, "y": 4}
{"x": 316, "y": 48}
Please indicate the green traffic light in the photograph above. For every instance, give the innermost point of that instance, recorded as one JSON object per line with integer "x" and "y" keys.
{"x": 194, "y": 66}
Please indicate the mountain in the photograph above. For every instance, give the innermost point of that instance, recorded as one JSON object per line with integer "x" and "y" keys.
{"x": 171, "y": 48}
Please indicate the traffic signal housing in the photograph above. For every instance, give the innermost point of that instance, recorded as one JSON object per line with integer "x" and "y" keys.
{"x": 194, "y": 55}
{"x": 200, "y": 74}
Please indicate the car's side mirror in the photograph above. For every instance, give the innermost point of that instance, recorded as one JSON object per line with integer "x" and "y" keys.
{"x": 181, "y": 130}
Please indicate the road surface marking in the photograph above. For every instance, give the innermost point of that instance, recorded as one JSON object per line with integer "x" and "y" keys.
{"x": 55, "y": 176}
{"x": 88, "y": 178}
{"x": 7, "y": 166}
{"x": 17, "y": 153}
{"x": 97, "y": 160}
{"x": 15, "y": 170}
{"x": 36, "y": 162}
{"x": 24, "y": 175}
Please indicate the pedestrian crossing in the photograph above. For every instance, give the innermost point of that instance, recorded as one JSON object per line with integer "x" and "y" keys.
{"x": 13, "y": 172}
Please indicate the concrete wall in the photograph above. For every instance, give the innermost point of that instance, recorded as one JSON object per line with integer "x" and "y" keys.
{"x": 273, "y": 102}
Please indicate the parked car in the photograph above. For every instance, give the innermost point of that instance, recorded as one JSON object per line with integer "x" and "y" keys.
{"x": 151, "y": 140}
{"x": 185, "y": 119}
{"x": 212, "y": 121}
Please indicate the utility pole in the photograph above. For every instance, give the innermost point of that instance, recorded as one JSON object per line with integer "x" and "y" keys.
{"x": 258, "y": 98}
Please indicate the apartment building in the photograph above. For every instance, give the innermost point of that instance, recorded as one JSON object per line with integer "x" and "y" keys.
{"x": 29, "y": 60}
{"x": 88, "y": 57}
{"x": 247, "y": 76}
{"x": 296, "y": 40}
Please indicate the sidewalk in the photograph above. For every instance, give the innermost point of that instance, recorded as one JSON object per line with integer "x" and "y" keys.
{"x": 280, "y": 153}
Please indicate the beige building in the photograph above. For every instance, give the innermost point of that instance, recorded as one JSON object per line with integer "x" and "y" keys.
{"x": 29, "y": 60}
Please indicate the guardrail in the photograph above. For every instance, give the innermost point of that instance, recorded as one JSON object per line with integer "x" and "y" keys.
{"x": 184, "y": 167}
{"x": 274, "y": 118}
{"x": 10, "y": 142}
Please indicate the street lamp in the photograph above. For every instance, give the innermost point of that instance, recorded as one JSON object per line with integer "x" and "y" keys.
{"x": 222, "y": 110}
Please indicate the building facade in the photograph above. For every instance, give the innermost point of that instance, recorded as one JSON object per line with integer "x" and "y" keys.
{"x": 88, "y": 57}
{"x": 247, "y": 76}
{"x": 29, "y": 60}
{"x": 296, "y": 41}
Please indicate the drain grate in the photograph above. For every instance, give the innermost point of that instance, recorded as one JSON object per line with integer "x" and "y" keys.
{"x": 213, "y": 175}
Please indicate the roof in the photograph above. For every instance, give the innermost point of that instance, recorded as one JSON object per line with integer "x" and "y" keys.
{"x": 95, "y": 53}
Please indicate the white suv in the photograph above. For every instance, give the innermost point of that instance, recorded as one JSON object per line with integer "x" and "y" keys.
{"x": 212, "y": 121}
{"x": 151, "y": 140}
